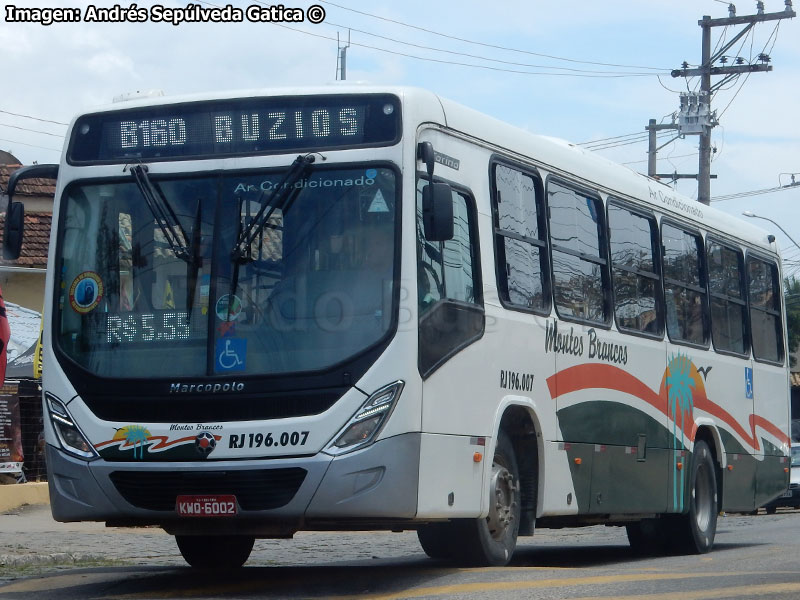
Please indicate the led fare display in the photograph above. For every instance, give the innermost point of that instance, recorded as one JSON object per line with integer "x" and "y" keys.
{"x": 143, "y": 328}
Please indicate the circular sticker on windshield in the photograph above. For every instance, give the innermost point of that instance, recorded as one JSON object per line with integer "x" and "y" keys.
{"x": 86, "y": 292}
{"x": 228, "y": 314}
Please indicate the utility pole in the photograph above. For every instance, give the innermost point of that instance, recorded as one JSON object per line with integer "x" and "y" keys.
{"x": 706, "y": 70}
{"x": 652, "y": 129}
{"x": 341, "y": 57}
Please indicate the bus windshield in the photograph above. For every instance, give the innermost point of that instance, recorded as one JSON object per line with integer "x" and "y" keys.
{"x": 140, "y": 295}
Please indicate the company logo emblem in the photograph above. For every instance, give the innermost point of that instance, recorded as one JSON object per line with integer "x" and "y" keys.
{"x": 205, "y": 388}
{"x": 204, "y": 443}
{"x": 86, "y": 292}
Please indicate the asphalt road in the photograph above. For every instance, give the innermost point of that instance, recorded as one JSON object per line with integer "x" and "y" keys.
{"x": 754, "y": 557}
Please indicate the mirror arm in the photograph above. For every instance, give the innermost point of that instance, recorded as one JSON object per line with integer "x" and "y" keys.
{"x": 426, "y": 154}
{"x": 49, "y": 171}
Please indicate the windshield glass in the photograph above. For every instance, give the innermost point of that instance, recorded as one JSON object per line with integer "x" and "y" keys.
{"x": 315, "y": 287}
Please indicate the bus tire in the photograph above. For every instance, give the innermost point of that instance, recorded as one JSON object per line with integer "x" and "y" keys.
{"x": 435, "y": 540}
{"x": 491, "y": 541}
{"x": 648, "y": 536}
{"x": 694, "y": 532}
{"x": 215, "y": 551}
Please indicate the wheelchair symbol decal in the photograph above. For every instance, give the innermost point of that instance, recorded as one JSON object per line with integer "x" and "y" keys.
{"x": 748, "y": 383}
{"x": 231, "y": 354}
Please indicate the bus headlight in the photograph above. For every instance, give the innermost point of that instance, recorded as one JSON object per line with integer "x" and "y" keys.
{"x": 71, "y": 438}
{"x": 362, "y": 428}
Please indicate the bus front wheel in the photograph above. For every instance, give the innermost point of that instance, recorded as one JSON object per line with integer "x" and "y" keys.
{"x": 491, "y": 541}
{"x": 215, "y": 551}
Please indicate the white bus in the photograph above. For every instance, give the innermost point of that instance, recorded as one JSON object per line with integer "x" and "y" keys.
{"x": 361, "y": 308}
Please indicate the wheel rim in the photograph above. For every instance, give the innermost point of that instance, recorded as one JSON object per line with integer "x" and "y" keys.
{"x": 703, "y": 499}
{"x": 504, "y": 501}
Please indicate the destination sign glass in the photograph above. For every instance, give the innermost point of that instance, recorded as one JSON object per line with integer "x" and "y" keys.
{"x": 236, "y": 127}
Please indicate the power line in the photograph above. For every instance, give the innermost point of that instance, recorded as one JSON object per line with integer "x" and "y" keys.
{"x": 775, "y": 34}
{"x": 476, "y": 56}
{"x": 31, "y": 145}
{"x": 641, "y": 137}
{"x": 579, "y": 72}
{"x": 617, "y": 145}
{"x": 618, "y": 137}
{"x": 32, "y": 130}
{"x": 754, "y": 193}
{"x": 637, "y": 140}
{"x": 5, "y": 112}
{"x": 661, "y": 83}
{"x": 668, "y": 158}
{"x": 592, "y": 74}
{"x": 486, "y": 45}
{"x": 460, "y": 64}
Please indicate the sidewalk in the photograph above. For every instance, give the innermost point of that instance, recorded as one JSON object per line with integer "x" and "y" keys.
{"x": 31, "y": 542}
{"x": 31, "y": 539}
{"x": 13, "y": 496}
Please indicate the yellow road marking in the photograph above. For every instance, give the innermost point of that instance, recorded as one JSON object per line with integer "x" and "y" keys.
{"x": 266, "y": 585}
{"x": 501, "y": 586}
{"x": 745, "y": 591}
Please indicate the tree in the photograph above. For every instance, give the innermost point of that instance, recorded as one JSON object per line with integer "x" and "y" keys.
{"x": 792, "y": 291}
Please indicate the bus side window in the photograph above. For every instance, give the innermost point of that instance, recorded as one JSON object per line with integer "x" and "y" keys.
{"x": 765, "y": 310}
{"x": 684, "y": 286}
{"x": 634, "y": 270}
{"x": 580, "y": 266}
{"x": 728, "y": 303}
{"x": 521, "y": 248}
{"x": 446, "y": 270}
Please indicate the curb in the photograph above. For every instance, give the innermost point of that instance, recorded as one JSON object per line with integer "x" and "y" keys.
{"x": 13, "y": 496}
{"x": 58, "y": 558}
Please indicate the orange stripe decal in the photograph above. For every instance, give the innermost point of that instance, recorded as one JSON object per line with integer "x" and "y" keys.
{"x": 603, "y": 376}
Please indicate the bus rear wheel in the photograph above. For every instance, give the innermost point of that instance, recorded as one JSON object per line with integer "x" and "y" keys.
{"x": 215, "y": 551}
{"x": 694, "y": 532}
{"x": 649, "y": 536}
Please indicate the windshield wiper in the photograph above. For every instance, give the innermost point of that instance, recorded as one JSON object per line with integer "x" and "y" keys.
{"x": 162, "y": 212}
{"x": 193, "y": 266}
{"x": 282, "y": 198}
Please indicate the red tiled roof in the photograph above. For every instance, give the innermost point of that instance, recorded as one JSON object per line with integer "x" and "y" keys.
{"x": 35, "y": 241}
{"x": 27, "y": 187}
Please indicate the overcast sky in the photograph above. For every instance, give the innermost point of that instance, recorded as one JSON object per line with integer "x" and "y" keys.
{"x": 540, "y": 70}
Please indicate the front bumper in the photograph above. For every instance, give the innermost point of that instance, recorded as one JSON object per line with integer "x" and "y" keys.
{"x": 377, "y": 483}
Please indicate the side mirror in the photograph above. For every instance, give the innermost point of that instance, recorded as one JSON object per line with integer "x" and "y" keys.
{"x": 437, "y": 212}
{"x": 15, "y": 213}
{"x": 13, "y": 230}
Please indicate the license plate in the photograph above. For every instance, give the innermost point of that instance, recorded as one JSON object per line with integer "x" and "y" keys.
{"x": 206, "y": 506}
{"x": 787, "y": 494}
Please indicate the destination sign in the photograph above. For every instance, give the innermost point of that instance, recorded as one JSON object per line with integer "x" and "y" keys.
{"x": 236, "y": 127}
